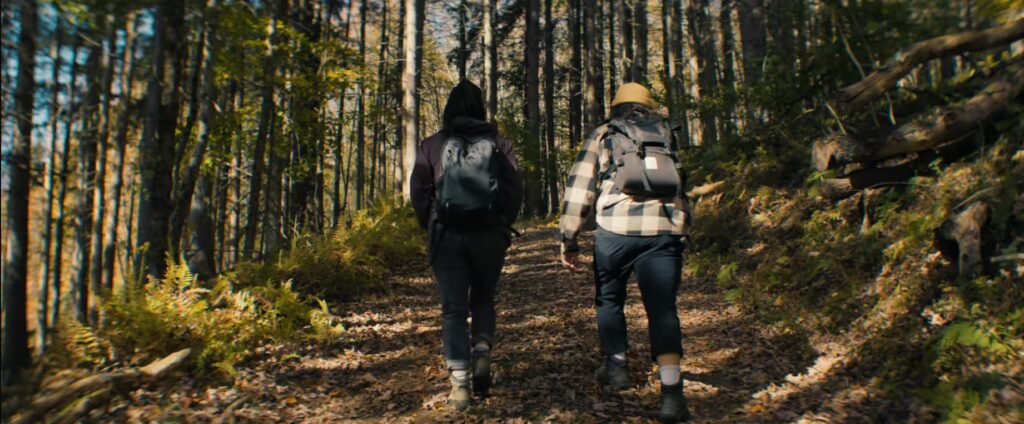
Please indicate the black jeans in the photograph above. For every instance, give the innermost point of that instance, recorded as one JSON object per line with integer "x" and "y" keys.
{"x": 467, "y": 265}
{"x": 658, "y": 262}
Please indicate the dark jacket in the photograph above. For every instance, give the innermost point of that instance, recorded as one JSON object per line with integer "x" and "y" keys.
{"x": 463, "y": 115}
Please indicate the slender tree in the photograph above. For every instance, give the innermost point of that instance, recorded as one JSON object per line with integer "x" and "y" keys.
{"x": 126, "y": 83}
{"x": 549, "y": 108}
{"x": 752, "y": 36}
{"x": 703, "y": 45}
{"x": 19, "y": 176}
{"x": 491, "y": 57}
{"x": 267, "y": 111}
{"x": 594, "y": 97}
{"x": 575, "y": 75}
{"x": 100, "y": 186}
{"x": 727, "y": 118}
{"x": 84, "y": 213}
{"x": 624, "y": 10}
{"x": 58, "y": 234}
{"x": 157, "y": 145}
{"x": 42, "y": 308}
{"x": 410, "y": 103}
{"x": 361, "y": 106}
{"x": 640, "y": 38}
{"x": 534, "y": 196}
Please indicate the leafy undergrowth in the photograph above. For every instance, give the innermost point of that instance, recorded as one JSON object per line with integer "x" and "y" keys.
{"x": 233, "y": 317}
{"x": 865, "y": 279}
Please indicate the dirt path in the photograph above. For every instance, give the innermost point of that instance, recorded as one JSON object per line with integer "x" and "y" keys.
{"x": 388, "y": 365}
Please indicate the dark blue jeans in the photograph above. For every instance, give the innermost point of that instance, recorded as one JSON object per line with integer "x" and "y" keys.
{"x": 467, "y": 265}
{"x": 657, "y": 261}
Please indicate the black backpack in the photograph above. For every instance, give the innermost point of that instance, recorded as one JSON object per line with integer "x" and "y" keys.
{"x": 469, "y": 191}
{"x": 644, "y": 159}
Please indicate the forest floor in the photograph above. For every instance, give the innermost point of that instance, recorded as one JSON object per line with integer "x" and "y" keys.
{"x": 388, "y": 366}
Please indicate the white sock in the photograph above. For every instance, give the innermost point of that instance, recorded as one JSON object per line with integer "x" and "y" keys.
{"x": 459, "y": 377}
{"x": 669, "y": 374}
{"x": 620, "y": 357}
{"x": 481, "y": 346}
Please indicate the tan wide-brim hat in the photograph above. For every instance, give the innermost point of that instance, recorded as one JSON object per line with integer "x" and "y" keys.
{"x": 634, "y": 93}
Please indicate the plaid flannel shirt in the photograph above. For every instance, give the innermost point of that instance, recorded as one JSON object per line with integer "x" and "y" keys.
{"x": 590, "y": 184}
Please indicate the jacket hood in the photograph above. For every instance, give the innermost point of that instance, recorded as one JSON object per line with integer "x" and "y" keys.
{"x": 465, "y": 113}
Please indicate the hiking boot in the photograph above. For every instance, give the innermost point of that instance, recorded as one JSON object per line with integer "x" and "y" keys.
{"x": 459, "y": 397}
{"x": 673, "y": 404}
{"x": 481, "y": 372}
{"x": 614, "y": 375}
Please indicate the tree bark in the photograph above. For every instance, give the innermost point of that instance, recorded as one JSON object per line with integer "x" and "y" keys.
{"x": 860, "y": 93}
{"x": 58, "y": 234}
{"x": 206, "y": 98}
{"x": 267, "y": 111}
{"x": 703, "y": 42}
{"x": 462, "y": 54}
{"x": 84, "y": 211}
{"x": 127, "y": 83}
{"x": 42, "y": 309}
{"x": 640, "y": 27}
{"x": 594, "y": 96}
{"x": 575, "y": 76}
{"x": 410, "y": 105}
{"x": 549, "y": 108}
{"x": 361, "y": 106}
{"x": 19, "y": 176}
{"x": 959, "y": 239}
{"x": 613, "y": 54}
{"x": 668, "y": 51}
{"x": 157, "y": 145}
{"x": 490, "y": 58}
{"x": 534, "y": 195}
{"x": 99, "y": 194}
{"x": 752, "y": 36}
{"x": 728, "y": 119}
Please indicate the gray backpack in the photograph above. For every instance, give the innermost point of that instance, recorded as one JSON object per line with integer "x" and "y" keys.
{"x": 469, "y": 190}
{"x": 644, "y": 159}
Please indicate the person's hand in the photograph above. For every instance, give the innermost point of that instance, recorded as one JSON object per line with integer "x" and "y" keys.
{"x": 571, "y": 260}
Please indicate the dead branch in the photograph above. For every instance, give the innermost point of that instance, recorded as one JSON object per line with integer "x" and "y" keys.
{"x": 940, "y": 126}
{"x": 860, "y": 93}
{"x": 959, "y": 238}
{"x": 114, "y": 379}
{"x": 705, "y": 189}
{"x": 838, "y": 188}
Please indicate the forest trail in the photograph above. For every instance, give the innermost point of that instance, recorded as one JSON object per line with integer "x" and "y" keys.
{"x": 388, "y": 367}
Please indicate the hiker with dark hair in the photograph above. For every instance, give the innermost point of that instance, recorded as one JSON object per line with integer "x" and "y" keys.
{"x": 629, "y": 176}
{"x": 466, "y": 192}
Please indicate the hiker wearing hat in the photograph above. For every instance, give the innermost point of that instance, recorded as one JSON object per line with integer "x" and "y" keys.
{"x": 629, "y": 177}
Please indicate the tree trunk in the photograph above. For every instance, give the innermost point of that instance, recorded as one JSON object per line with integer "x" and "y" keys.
{"x": 263, "y": 132}
{"x": 534, "y": 194}
{"x": 727, "y": 118}
{"x": 462, "y": 54}
{"x": 99, "y": 194}
{"x": 703, "y": 42}
{"x": 594, "y": 97}
{"x": 752, "y": 35}
{"x": 490, "y": 58}
{"x": 361, "y": 125}
{"x": 79, "y": 284}
{"x": 273, "y": 238}
{"x": 640, "y": 27}
{"x": 157, "y": 145}
{"x": 627, "y": 54}
{"x": 127, "y": 83}
{"x": 575, "y": 76}
{"x": 207, "y": 96}
{"x": 58, "y": 234}
{"x": 19, "y": 176}
{"x": 614, "y": 7}
{"x": 42, "y": 309}
{"x": 668, "y": 51}
{"x": 378, "y": 139}
{"x": 549, "y": 107}
{"x": 410, "y": 105}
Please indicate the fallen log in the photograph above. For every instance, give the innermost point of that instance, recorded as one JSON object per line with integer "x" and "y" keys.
{"x": 113, "y": 379}
{"x": 959, "y": 238}
{"x": 860, "y": 93}
{"x": 838, "y": 188}
{"x": 941, "y": 126}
